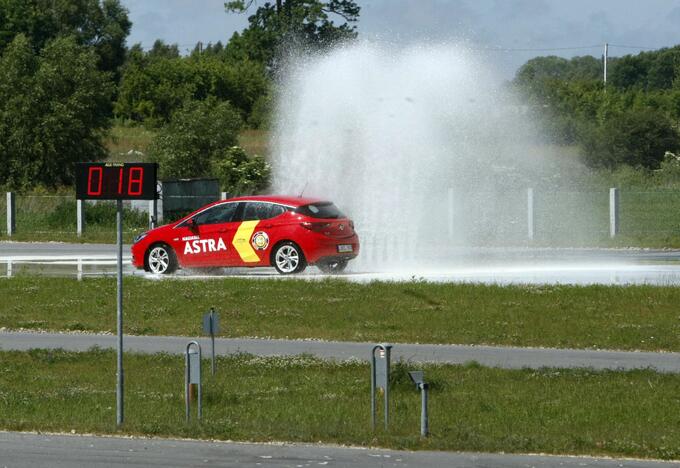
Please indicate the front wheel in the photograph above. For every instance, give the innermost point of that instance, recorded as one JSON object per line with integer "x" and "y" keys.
{"x": 161, "y": 260}
{"x": 333, "y": 267}
{"x": 288, "y": 259}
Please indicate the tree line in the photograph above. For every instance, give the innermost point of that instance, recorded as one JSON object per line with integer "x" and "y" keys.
{"x": 633, "y": 120}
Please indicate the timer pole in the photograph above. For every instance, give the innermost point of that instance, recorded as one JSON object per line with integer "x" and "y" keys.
{"x": 120, "y": 379}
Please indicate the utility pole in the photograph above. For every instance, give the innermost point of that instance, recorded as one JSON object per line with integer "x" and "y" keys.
{"x": 606, "y": 56}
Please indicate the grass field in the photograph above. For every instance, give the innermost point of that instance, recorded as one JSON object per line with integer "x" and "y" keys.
{"x": 611, "y": 317}
{"x": 472, "y": 408}
{"x": 45, "y": 217}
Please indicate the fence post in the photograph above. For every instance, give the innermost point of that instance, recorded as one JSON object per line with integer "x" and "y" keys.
{"x": 80, "y": 217}
{"x": 11, "y": 214}
{"x": 450, "y": 213}
{"x": 530, "y": 213}
{"x": 613, "y": 212}
{"x": 153, "y": 213}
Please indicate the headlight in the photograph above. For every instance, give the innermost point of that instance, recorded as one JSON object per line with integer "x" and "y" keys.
{"x": 140, "y": 237}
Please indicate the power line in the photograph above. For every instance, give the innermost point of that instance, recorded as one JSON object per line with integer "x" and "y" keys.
{"x": 632, "y": 47}
{"x": 538, "y": 49}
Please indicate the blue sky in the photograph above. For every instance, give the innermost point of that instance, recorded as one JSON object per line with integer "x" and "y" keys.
{"x": 513, "y": 24}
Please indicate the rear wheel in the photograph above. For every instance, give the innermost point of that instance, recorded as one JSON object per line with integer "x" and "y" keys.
{"x": 333, "y": 267}
{"x": 288, "y": 258}
{"x": 161, "y": 260}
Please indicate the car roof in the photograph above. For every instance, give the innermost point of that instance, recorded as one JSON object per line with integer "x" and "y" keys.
{"x": 282, "y": 199}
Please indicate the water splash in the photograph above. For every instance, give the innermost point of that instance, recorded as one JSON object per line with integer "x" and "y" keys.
{"x": 422, "y": 146}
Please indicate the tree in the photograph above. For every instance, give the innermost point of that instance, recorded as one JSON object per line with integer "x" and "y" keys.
{"x": 239, "y": 174}
{"x": 54, "y": 107}
{"x": 200, "y": 141}
{"x": 154, "y": 85}
{"x": 637, "y": 138}
{"x": 305, "y": 22}
{"x": 102, "y": 25}
{"x": 195, "y": 136}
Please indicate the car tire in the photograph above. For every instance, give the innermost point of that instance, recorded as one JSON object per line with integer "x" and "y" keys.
{"x": 333, "y": 267}
{"x": 160, "y": 260}
{"x": 288, "y": 258}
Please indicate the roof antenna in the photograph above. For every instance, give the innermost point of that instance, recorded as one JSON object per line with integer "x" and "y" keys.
{"x": 303, "y": 189}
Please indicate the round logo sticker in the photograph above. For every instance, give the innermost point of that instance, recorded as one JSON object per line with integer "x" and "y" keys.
{"x": 260, "y": 240}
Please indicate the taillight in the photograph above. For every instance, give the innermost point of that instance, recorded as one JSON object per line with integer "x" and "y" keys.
{"x": 316, "y": 227}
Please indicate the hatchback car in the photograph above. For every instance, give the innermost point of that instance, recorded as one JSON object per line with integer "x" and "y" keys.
{"x": 287, "y": 233}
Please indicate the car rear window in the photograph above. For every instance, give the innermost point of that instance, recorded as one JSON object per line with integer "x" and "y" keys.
{"x": 320, "y": 210}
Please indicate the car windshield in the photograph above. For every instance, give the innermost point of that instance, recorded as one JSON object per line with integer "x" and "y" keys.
{"x": 320, "y": 210}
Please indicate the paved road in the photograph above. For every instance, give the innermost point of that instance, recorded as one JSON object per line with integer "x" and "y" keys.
{"x": 485, "y": 265}
{"x": 503, "y": 357}
{"x": 48, "y": 250}
{"x": 19, "y": 450}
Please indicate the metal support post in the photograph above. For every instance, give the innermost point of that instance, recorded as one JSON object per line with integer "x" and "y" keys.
{"x": 613, "y": 212}
{"x": 192, "y": 375}
{"x": 212, "y": 339}
{"x": 153, "y": 213}
{"x": 11, "y": 214}
{"x": 80, "y": 217}
{"x": 380, "y": 378}
{"x": 530, "y": 213}
{"x": 211, "y": 326}
{"x": 417, "y": 377}
{"x": 424, "y": 423}
{"x": 119, "y": 281}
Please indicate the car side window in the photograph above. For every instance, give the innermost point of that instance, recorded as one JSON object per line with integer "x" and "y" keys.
{"x": 276, "y": 210}
{"x": 256, "y": 211}
{"x": 218, "y": 214}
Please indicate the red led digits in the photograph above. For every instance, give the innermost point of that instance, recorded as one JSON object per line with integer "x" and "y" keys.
{"x": 115, "y": 181}
{"x": 90, "y": 189}
{"x": 120, "y": 181}
{"x": 135, "y": 180}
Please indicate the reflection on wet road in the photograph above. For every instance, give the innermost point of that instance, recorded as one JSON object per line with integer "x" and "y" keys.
{"x": 488, "y": 265}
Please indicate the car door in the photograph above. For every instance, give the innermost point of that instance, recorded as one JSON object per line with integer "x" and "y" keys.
{"x": 210, "y": 241}
{"x": 253, "y": 239}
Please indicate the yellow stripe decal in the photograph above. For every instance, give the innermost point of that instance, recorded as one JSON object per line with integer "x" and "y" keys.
{"x": 241, "y": 241}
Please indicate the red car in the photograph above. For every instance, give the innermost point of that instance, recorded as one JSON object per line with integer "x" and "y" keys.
{"x": 288, "y": 233}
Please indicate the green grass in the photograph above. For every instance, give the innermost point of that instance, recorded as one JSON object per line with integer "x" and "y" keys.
{"x": 613, "y": 317}
{"x": 128, "y": 143}
{"x": 44, "y": 217}
{"x": 255, "y": 142}
{"x": 472, "y": 408}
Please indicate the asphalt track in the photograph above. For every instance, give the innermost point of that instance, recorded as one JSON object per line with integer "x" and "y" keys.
{"x": 502, "y": 357}
{"x": 22, "y": 450}
{"x": 485, "y": 265}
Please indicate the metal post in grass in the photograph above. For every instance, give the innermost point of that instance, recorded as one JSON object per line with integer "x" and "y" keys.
{"x": 530, "y": 213}
{"x": 119, "y": 313}
{"x": 11, "y": 214}
{"x": 211, "y": 326}
{"x": 192, "y": 376}
{"x": 80, "y": 217}
{"x": 613, "y": 212}
{"x": 380, "y": 378}
{"x": 418, "y": 378}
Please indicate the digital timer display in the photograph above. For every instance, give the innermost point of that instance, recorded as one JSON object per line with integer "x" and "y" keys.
{"x": 116, "y": 181}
